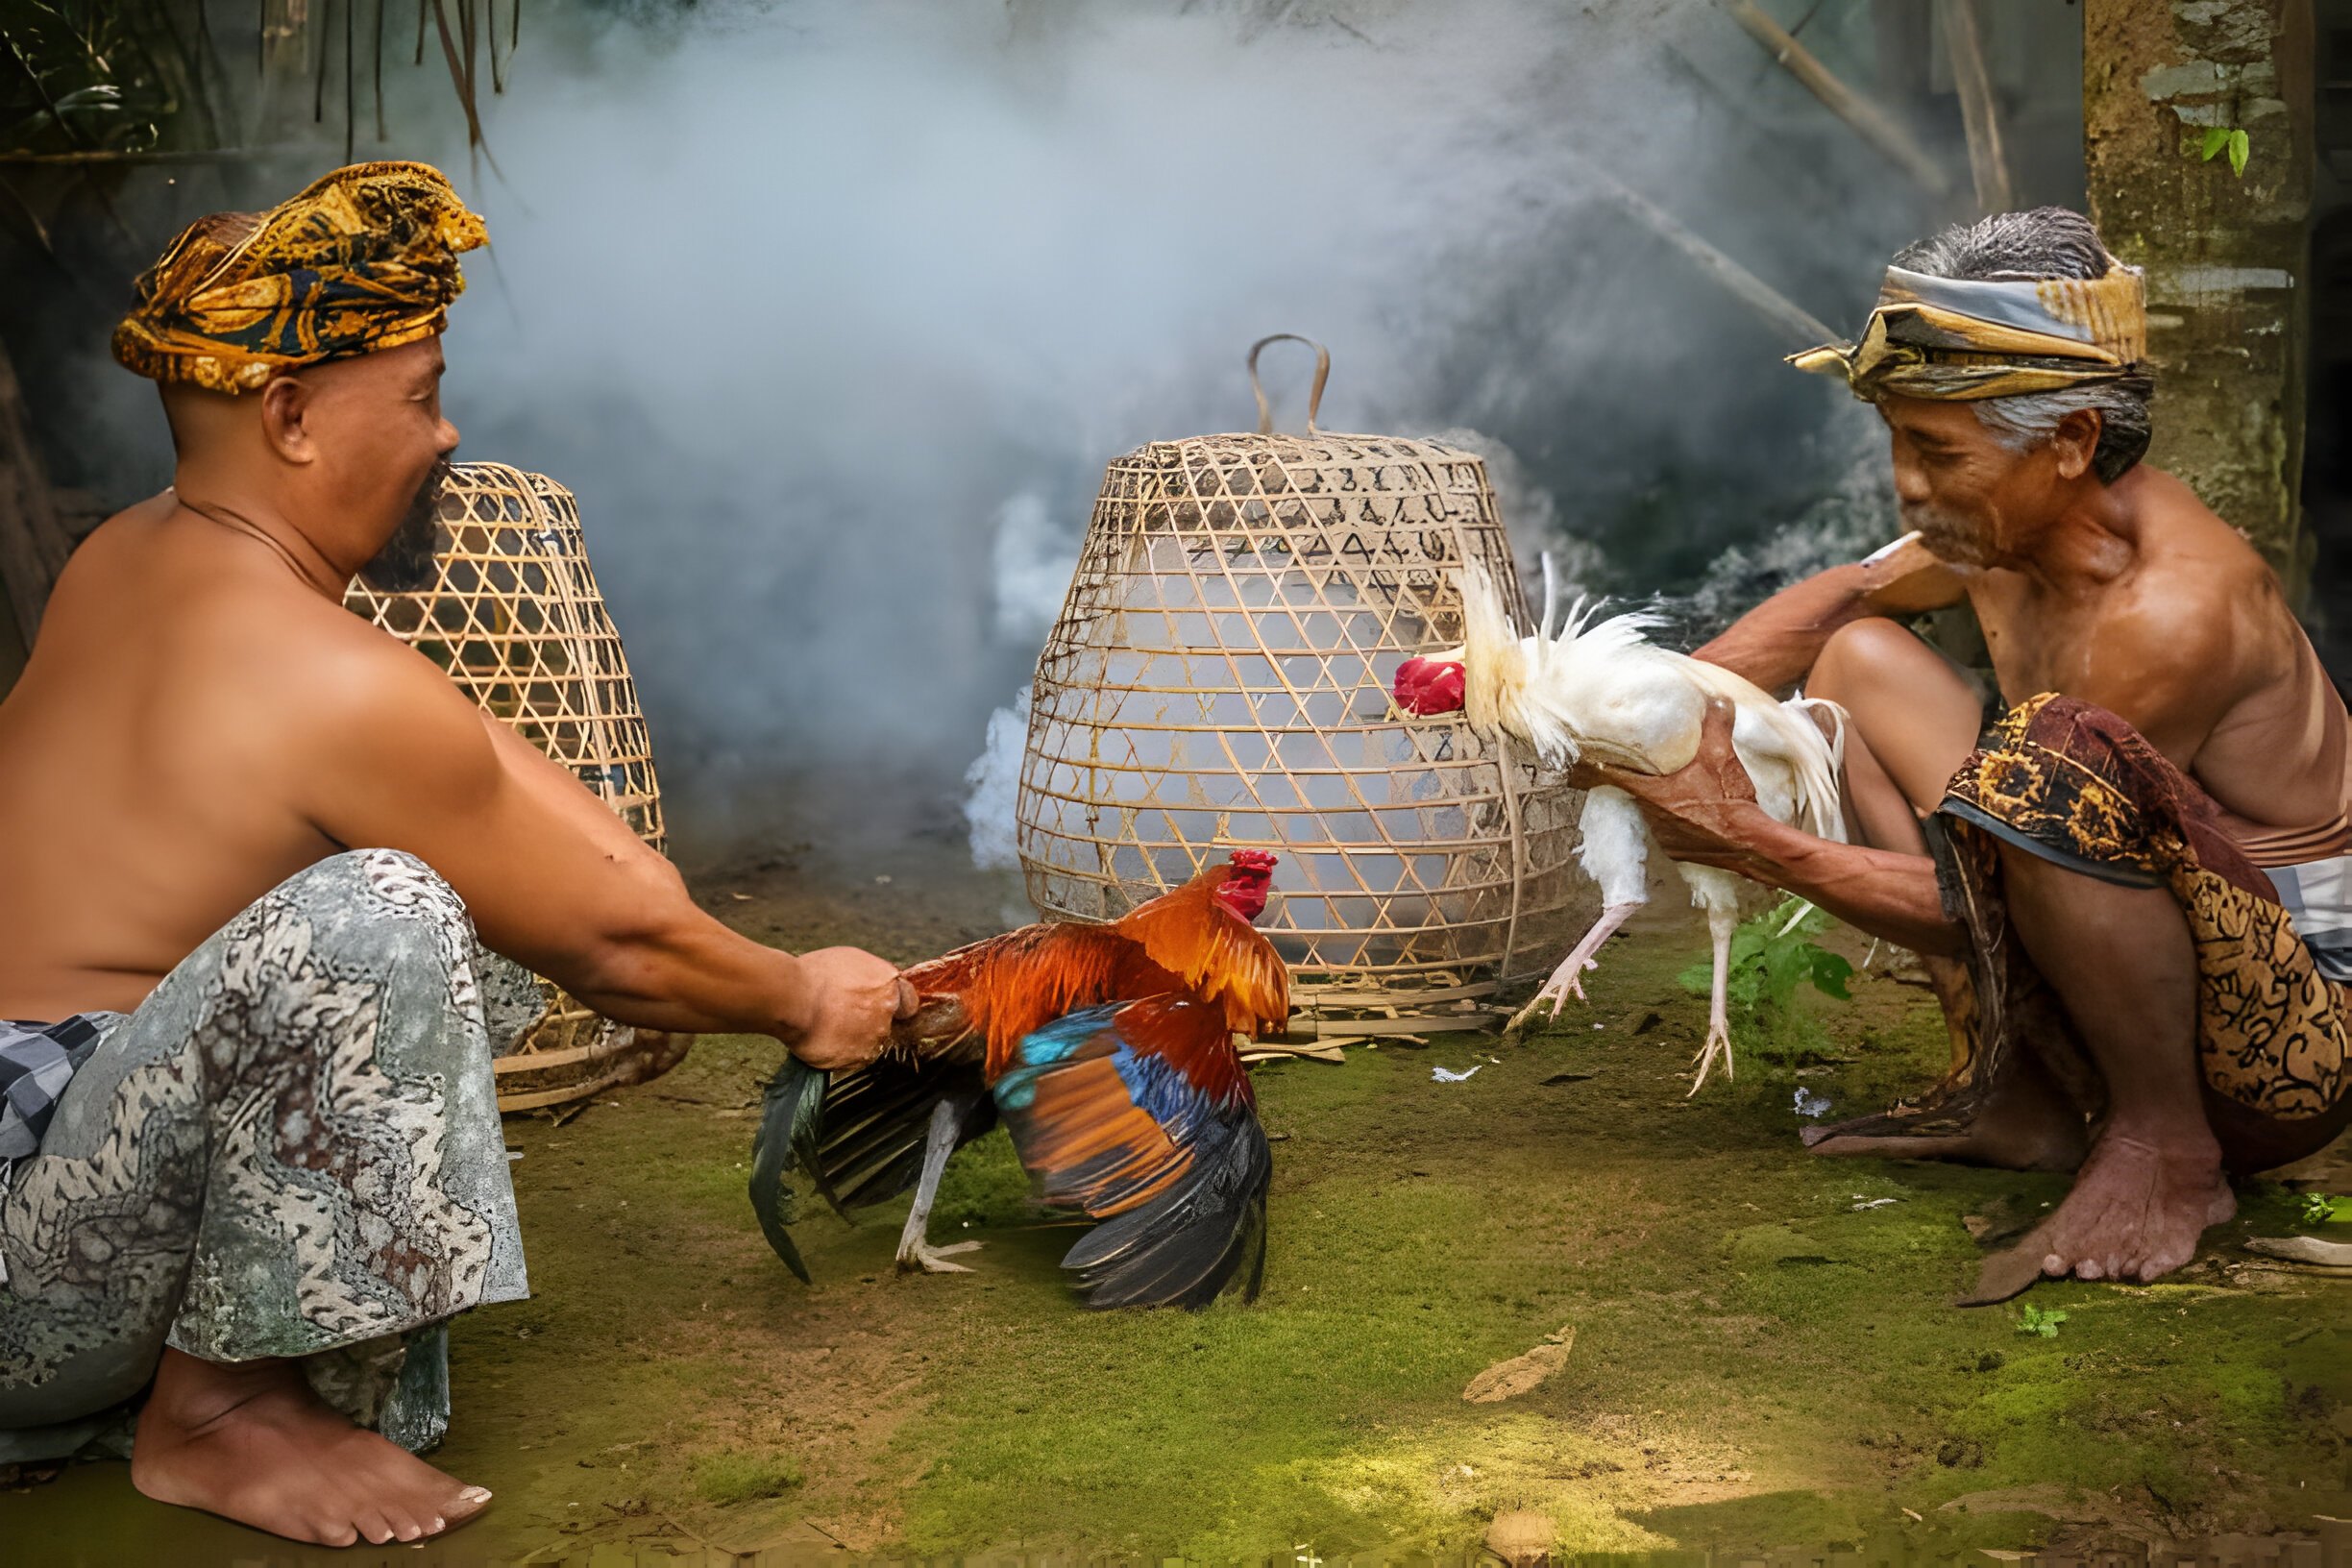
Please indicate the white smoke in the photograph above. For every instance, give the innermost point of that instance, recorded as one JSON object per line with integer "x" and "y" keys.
{"x": 993, "y": 786}
{"x": 1030, "y": 567}
{"x": 1853, "y": 517}
{"x": 795, "y": 294}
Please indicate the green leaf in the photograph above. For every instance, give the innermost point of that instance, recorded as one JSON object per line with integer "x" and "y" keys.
{"x": 2216, "y": 138}
{"x": 2239, "y": 147}
{"x": 1830, "y": 973}
{"x": 2032, "y": 1319}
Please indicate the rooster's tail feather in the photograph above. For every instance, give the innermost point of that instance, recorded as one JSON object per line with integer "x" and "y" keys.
{"x": 1820, "y": 762}
{"x": 867, "y": 1146}
{"x": 858, "y": 1135}
{"x": 794, "y": 1096}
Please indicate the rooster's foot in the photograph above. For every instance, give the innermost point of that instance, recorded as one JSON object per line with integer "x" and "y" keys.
{"x": 1557, "y": 991}
{"x": 1718, "y": 1047}
{"x": 933, "y": 1260}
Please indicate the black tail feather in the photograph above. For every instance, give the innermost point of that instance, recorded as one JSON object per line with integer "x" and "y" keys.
{"x": 858, "y": 1135}
{"x": 794, "y": 1096}
{"x": 868, "y": 1146}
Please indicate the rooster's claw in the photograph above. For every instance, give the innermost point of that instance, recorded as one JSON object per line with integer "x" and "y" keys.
{"x": 933, "y": 1260}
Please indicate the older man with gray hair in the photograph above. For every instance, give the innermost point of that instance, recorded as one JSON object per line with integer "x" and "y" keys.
{"x": 2133, "y": 888}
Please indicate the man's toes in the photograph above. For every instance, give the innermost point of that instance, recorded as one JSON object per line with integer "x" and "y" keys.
{"x": 373, "y": 1526}
{"x": 411, "y": 1519}
{"x": 331, "y": 1531}
{"x": 464, "y": 1506}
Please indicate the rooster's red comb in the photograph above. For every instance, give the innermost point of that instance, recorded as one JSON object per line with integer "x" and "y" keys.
{"x": 1263, "y": 861}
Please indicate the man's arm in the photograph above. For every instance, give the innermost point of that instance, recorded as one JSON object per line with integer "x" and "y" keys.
{"x": 1707, "y": 812}
{"x": 1775, "y": 644}
{"x": 553, "y": 880}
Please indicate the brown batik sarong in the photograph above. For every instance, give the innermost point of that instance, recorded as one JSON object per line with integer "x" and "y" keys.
{"x": 2075, "y": 784}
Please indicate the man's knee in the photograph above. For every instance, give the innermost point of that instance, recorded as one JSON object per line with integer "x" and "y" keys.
{"x": 377, "y": 907}
{"x": 369, "y": 946}
{"x": 1870, "y": 655}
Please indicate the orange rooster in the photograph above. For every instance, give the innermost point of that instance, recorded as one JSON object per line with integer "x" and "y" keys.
{"x": 1108, "y": 1053}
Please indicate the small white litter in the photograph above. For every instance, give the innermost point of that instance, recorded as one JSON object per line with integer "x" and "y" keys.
{"x": 1447, "y": 1075}
{"x": 1861, "y": 1202}
{"x": 1810, "y": 1104}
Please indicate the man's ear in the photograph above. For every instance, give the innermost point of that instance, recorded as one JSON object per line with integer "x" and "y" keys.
{"x": 286, "y": 406}
{"x": 2076, "y": 441}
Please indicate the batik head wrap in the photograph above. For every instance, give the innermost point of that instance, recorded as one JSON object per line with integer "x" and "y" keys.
{"x": 1964, "y": 339}
{"x": 366, "y": 259}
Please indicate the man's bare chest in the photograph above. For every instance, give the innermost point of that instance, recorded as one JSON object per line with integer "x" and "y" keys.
{"x": 2032, "y": 653}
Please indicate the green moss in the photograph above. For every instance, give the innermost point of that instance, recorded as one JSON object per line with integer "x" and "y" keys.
{"x": 729, "y": 1478}
{"x": 1756, "y": 1362}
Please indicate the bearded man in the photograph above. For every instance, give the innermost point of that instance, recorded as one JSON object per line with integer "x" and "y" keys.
{"x": 2134, "y": 887}
{"x": 260, "y": 858}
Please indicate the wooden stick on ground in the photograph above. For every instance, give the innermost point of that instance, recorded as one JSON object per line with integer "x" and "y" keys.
{"x": 1964, "y": 37}
{"x": 1871, "y": 122}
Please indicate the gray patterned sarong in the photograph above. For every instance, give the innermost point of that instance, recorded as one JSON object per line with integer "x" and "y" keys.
{"x": 290, "y": 1148}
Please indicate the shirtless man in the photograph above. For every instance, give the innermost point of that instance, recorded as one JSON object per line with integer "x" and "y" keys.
{"x": 2143, "y": 935}
{"x": 272, "y": 1169}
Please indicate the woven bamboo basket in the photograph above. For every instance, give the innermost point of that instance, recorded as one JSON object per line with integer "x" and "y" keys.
{"x": 1220, "y": 677}
{"x": 518, "y": 622}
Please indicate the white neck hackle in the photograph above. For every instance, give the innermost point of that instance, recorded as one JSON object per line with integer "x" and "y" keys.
{"x": 1512, "y": 682}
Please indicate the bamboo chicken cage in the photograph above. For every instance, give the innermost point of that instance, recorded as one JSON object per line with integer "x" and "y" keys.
{"x": 517, "y": 620}
{"x": 1220, "y": 678}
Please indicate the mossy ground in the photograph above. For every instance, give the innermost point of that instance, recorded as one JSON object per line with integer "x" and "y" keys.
{"x": 1756, "y": 1360}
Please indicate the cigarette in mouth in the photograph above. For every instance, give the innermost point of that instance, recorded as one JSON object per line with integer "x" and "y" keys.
{"x": 1884, "y": 551}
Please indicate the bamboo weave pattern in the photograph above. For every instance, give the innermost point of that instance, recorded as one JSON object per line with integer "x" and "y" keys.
{"x": 518, "y": 622}
{"x": 1220, "y": 678}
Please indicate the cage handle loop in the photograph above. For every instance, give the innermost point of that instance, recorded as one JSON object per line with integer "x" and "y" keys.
{"x": 1315, "y": 394}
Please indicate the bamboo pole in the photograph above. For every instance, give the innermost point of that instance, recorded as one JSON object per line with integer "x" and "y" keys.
{"x": 1868, "y": 120}
{"x": 1784, "y": 315}
{"x": 108, "y": 156}
{"x": 1988, "y": 163}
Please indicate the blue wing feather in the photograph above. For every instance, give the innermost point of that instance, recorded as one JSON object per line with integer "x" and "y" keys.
{"x": 1111, "y": 1125}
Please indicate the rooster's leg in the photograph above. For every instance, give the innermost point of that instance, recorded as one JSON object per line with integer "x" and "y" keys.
{"x": 915, "y": 1251}
{"x": 1723, "y": 919}
{"x": 1569, "y": 977}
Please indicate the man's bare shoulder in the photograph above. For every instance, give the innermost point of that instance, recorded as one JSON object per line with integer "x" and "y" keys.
{"x": 221, "y": 628}
{"x": 358, "y": 684}
{"x": 2197, "y": 581}
{"x": 2196, "y": 628}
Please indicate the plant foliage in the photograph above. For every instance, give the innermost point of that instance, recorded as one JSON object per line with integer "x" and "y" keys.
{"x": 1773, "y": 957}
{"x": 2040, "y": 1320}
{"x": 2220, "y": 139}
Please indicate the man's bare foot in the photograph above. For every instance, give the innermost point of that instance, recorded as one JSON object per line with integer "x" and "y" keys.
{"x": 251, "y": 1442}
{"x": 2026, "y": 1123}
{"x": 2135, "y": 1215}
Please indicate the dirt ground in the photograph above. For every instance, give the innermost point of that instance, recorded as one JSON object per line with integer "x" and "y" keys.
{"x": 1763, "y": 1354}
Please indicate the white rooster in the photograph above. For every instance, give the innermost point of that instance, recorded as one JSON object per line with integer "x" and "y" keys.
{"x": 1599, "y": 691}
